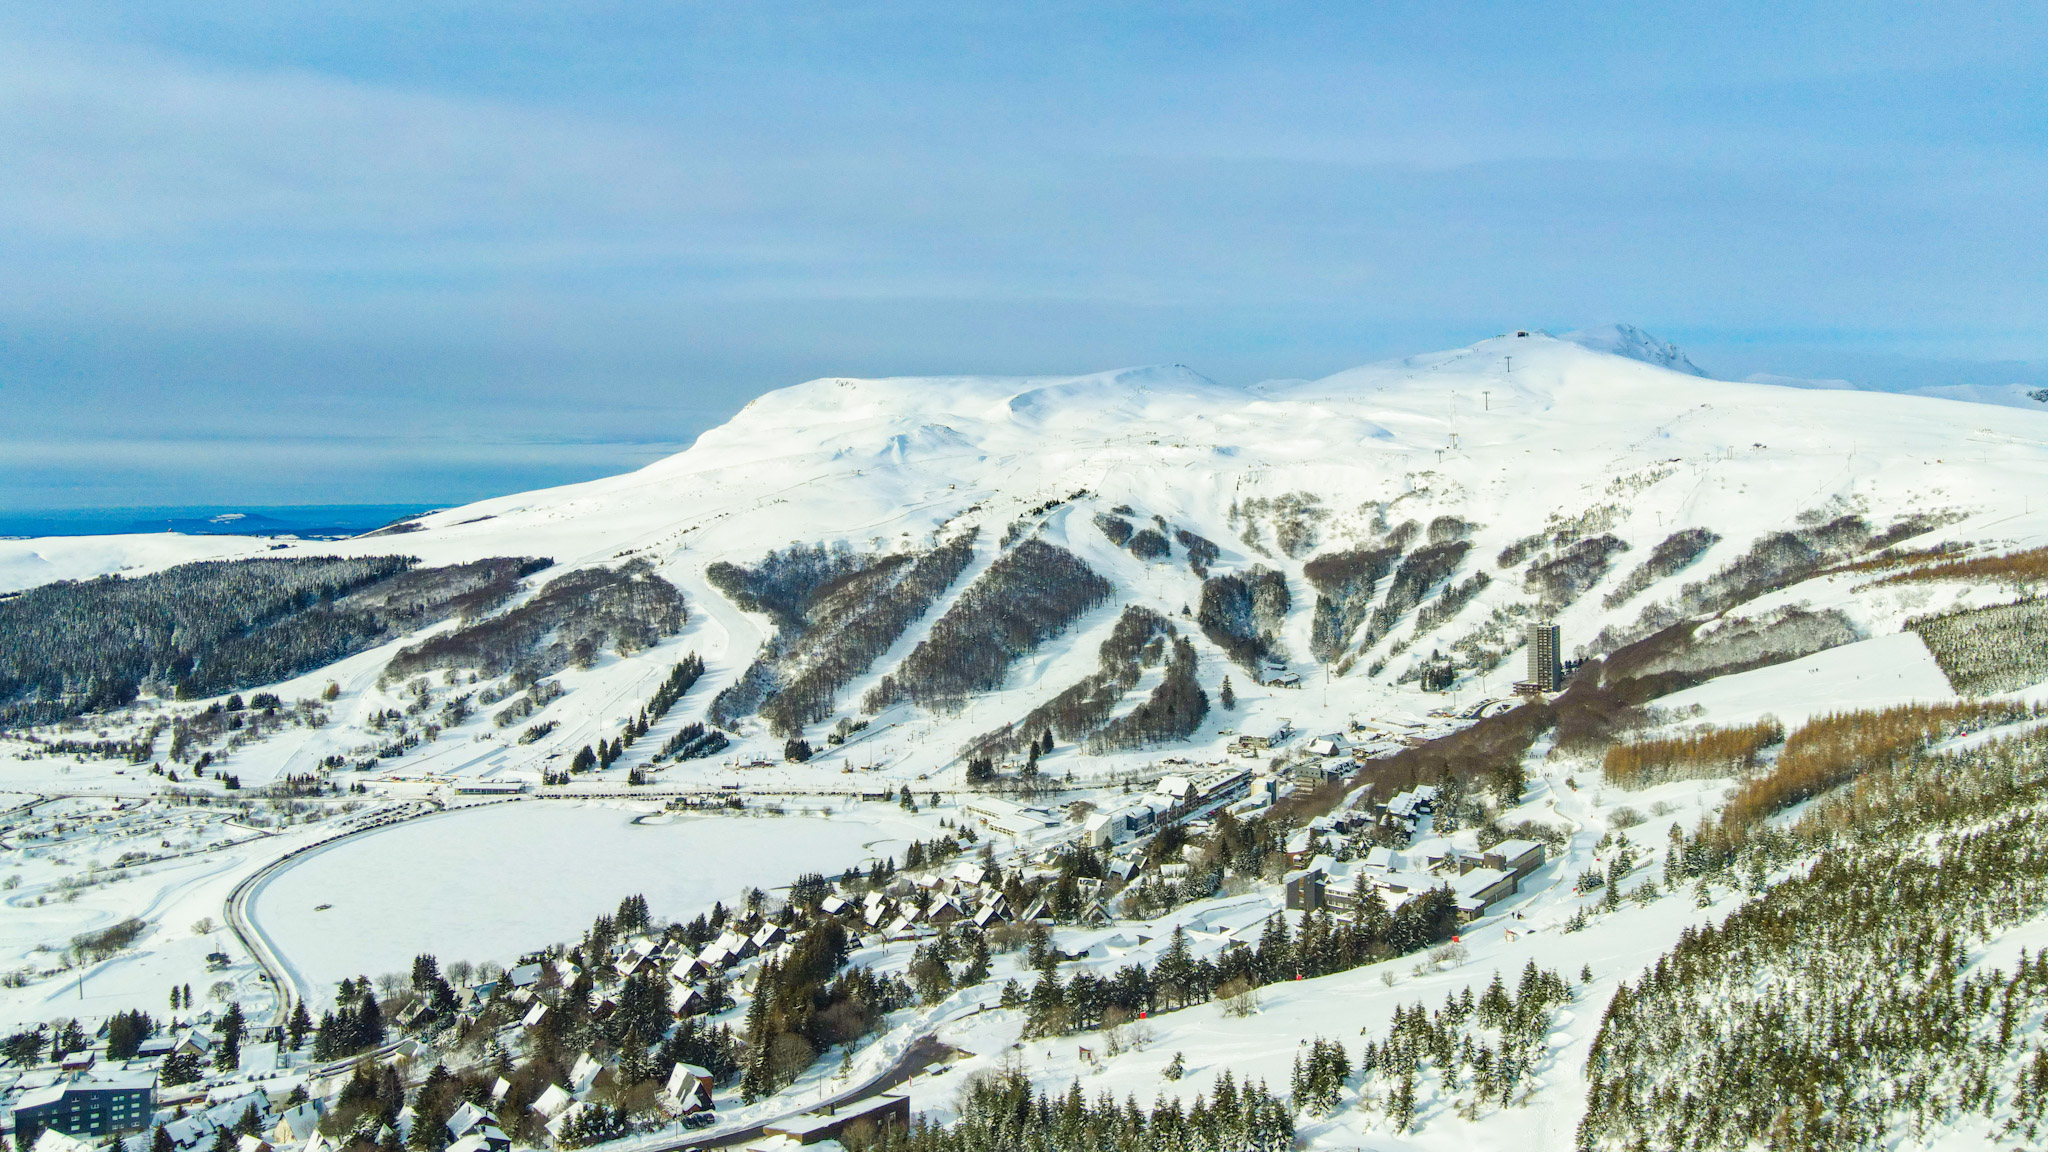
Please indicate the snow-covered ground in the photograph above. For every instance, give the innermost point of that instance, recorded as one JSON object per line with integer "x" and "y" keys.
{"x": 494, "y": 881}
{"x": 1869, "y": 674}
{"x": 1565, "y": 432}
{"x": 1635, "y": 444}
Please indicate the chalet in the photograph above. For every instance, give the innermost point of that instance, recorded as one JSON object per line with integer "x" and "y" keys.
{"x": 534, "y": 1015}
{"x": 834, "y": 905}
{"x": 558, "y": 1125}
{"x": 638, "y": 956}
{"x": 479, "y": 1141}
{"x": 1299, "y": 846}
{"x": 688, "y": 1089}
{"x": 415, "y": 1014}
{"x": 186, "y": 1132}
{"x": 194, "y": 1043}
{"x": 942, "y": 913}
{"x": 51, "y": 1140}
{"x": 769, "y": 936}
{"x": 687, "y": 1001}
{"x": 473, "y": 1129}
{"x": 1384, "y": 860}
{"x": 583, "y": 1073}
{"x": 553, "y": 1102}
{"x": 297, "y": 1125}
{"x": 524, "y": 976}
{"x": 1036, "y": 911}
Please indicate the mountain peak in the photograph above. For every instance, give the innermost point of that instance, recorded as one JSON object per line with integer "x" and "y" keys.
{"x": 1636, "y": 344}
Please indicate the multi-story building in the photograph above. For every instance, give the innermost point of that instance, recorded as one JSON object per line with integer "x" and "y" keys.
{"x": 1546, "y": 668}
{"x": 91, "y": 1104}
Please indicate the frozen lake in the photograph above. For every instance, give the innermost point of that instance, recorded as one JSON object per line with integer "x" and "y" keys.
{"x": 492, "y": 882}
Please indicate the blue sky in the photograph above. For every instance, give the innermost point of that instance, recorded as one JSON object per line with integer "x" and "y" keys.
{"x": 366, "y": 252}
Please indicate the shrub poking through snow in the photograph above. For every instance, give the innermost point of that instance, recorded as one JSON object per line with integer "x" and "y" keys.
{"x": 1673, "y": 555}
{"x": 1709, "y": 752}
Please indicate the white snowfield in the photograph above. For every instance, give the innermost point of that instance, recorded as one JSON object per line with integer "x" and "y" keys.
{"x": 1613, "y": 430}
{"x": 492, "y": 882}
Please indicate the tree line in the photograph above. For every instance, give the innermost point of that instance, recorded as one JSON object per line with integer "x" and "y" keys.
{"x": 1839, "y": 1006}
{"x": 1028, "y": 595}
{"x": 216, "y": 626}
{"x": 570, "y": 620}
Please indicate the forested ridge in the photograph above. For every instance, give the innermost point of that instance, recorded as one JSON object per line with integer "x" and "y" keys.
{"x": 1086, "y": 709}
{"x": 1242, "y": 614}
{"x": 836, "y": 613}
{"x": 1027, "y": 596}
{"x": 570, "y": 620}
{"x": 218, "y": 626}
{"x": 1838, "y": 1008}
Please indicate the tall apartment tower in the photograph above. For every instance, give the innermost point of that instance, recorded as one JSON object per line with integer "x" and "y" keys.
{"x": 1545, "y": 669}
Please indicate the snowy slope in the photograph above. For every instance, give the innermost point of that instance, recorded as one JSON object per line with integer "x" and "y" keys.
{"x": 1564, "y": 432}
{"x": 1603, "y": 432}
{"x": 1636, "y": 344}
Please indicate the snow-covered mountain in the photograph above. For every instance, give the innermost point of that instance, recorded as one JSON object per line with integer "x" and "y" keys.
{"x": 1550, "y": 483}
{"x": 920, "y": 578}
{"x": 1636, "y": 344}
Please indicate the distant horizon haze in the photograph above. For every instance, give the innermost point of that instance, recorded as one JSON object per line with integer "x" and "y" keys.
{"x": 378, "y": 253}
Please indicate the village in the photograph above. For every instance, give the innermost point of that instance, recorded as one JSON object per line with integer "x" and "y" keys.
{"x": 1098, "y": 884}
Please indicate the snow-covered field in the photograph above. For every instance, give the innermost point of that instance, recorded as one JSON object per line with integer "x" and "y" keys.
{"x": 495, "y": 881}
{"x": 1869, "y": 674}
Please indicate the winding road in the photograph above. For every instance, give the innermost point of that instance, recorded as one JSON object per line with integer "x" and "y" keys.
{"x": 282, "y": 977}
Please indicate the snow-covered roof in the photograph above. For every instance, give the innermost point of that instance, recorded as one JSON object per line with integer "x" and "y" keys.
{"x": 1513, "y": 850}
{"x": 553, "y": 1101}
{"x": 52, "y": 1140}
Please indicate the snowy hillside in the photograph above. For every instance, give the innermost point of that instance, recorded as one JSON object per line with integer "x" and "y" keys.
{"x": 1574, "y": 464}
{"x": 920, "y": 592}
